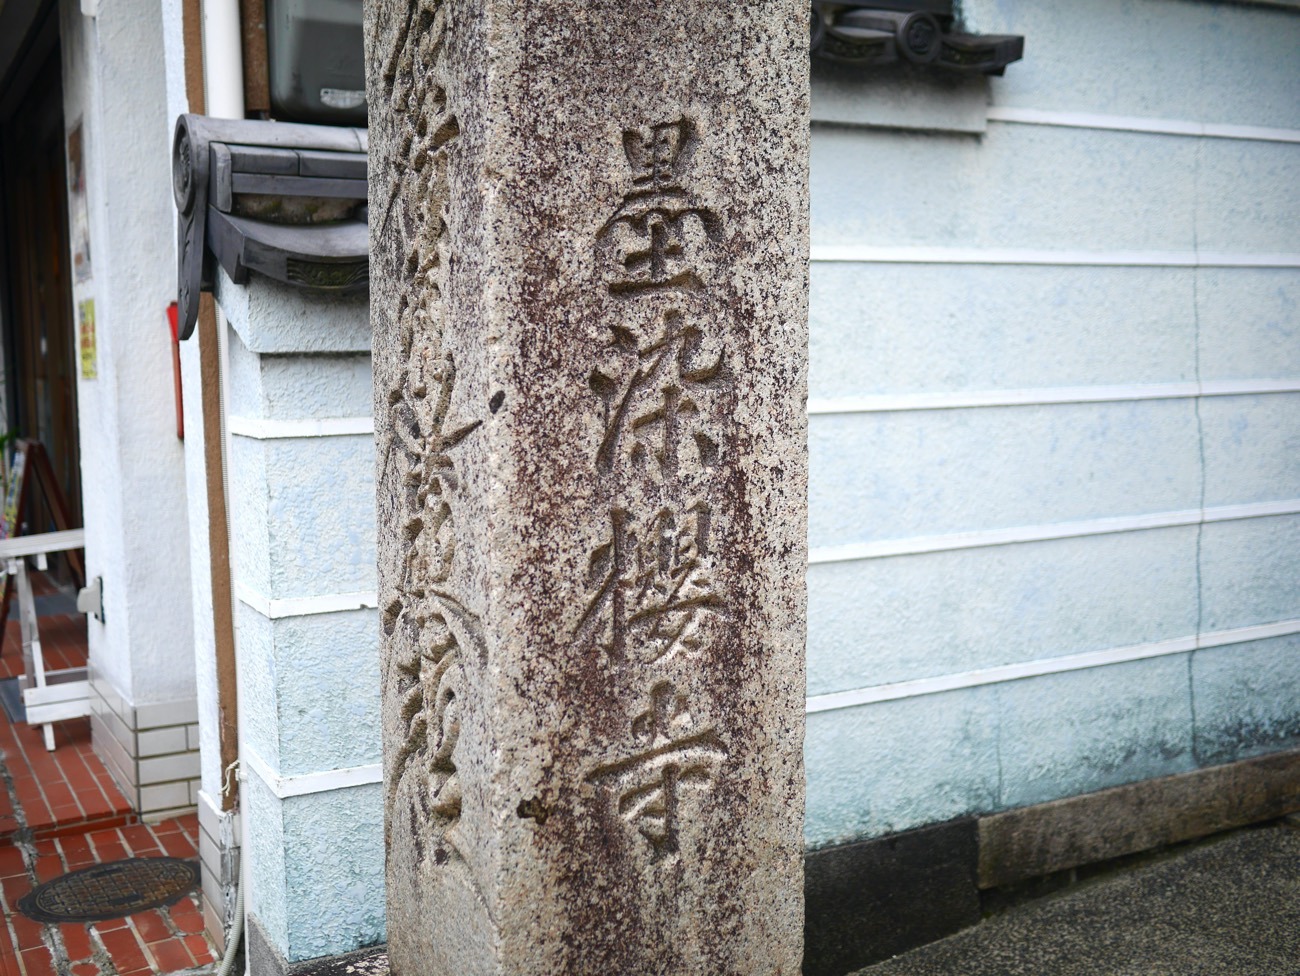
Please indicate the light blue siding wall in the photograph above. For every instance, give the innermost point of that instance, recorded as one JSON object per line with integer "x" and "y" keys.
{"x": 1067, "y": 274}
{"x": 307, "y": 631}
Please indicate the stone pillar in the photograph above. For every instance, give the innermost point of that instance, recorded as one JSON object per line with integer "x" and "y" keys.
{"x": 589, "y": 276}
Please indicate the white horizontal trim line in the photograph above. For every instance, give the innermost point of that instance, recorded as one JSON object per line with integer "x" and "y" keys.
{"x": 262, "y": 429}
{"x": 1035, "y": 669}
{"x": 307, "y": 783}
{"x": 19, "y": 546}
{"x": 1130, "y": 123}
{"x": 871, "y": 254}
{"x": 304, "y": 606}
{"x": 1045, "y": 396}
{"x": 983, "y": 538}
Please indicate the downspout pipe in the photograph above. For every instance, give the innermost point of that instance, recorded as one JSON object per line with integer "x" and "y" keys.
{"x": 223, "y": 60}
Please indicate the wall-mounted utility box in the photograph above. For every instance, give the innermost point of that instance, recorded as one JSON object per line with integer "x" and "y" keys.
{"x": 316, "y": 61}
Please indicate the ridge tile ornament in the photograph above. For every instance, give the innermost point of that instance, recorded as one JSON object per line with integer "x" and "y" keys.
{"x": 589, "y": 253}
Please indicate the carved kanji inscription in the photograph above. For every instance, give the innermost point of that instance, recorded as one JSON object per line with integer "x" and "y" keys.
{"x": 657, "y": 397}
{"x": 674, "y": 757}
{"x": 659, "y": 237}
{"x": 433, "y": 637}
{"x": 654, "y": 595}
{"x": 653, "y": 601}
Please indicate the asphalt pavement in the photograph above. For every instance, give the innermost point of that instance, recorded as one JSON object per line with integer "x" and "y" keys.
{"x": 1229, "y": 906}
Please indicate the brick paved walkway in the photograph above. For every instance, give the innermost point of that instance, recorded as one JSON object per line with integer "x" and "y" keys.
{"x": 67, "y": 790}
{"x": 163, "y": 940}
{"x": 60, "y": 811}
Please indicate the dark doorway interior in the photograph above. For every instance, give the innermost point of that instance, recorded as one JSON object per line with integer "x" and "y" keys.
{"x": 37, "y": 313}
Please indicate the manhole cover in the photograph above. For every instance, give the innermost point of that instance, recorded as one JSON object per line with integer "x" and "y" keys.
{"x": 111, "y": 890}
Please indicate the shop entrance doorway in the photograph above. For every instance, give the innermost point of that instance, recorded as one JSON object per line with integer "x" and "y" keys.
{"x": 39, "y": 326}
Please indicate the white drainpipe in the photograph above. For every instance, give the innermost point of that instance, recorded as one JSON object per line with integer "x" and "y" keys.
{"x": 223, "y": 59}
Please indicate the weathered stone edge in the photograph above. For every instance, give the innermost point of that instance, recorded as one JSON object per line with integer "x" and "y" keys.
{"x": 1038, "y": 840}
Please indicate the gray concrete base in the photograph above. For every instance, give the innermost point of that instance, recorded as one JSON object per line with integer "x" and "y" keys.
{"x": 873, "y": 899}
{"x": 1049, "y": 837}
{"x": 264, "y": 959}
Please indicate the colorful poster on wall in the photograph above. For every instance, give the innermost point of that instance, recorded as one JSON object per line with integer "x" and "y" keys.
{"x": 15, "y": 471}
{"x": 13, "y": 493}
{"x": 77, "y": 205}
{"x": 86, "y": 337}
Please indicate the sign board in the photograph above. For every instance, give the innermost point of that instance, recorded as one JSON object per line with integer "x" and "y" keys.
{"x": 86, "y": 338}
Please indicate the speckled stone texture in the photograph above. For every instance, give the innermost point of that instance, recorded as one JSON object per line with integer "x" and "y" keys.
{"x": 589, "y": 279}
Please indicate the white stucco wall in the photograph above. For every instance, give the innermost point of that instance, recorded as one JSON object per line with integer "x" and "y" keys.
{"x": 1062, "y": 285}
{"x": 132, "y": 463}
{"x": 212, "y": 776}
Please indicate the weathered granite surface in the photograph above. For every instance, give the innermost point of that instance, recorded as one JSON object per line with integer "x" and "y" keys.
{"x": 589, "y": 279}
